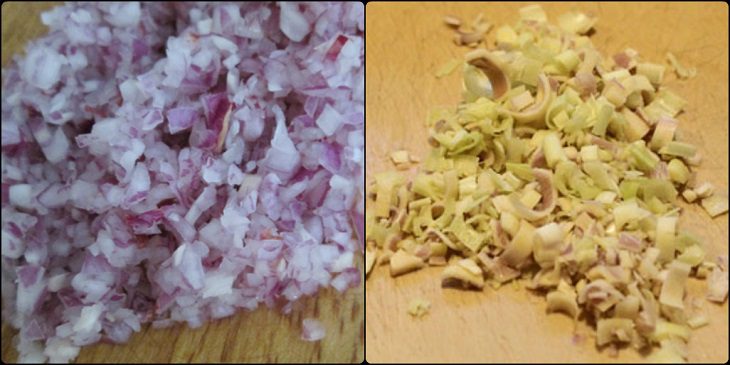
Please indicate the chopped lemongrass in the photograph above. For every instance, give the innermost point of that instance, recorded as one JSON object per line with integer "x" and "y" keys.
{"x": 521, "y": 101}
{"x": 402, "y": 262}
{"x": 689, "y": 195}
{"x": 418, "y": 307}
{"x": 704, "y": 190}
{"x": 693, "y": 255}
{"x": 715, "y": 205}
{"x": 575, "y": 22}
{"x": 672, "y": 293}
{"x": 678, "y": 149}
{"x": 665, "y": 238}
{"x": 448, "y": 67}
{"x": 678, "y": 171}
{"x": 654, "y": 72}
{"x": 698, "y": 321}
{"x": 589, "y": 153}
{"x": 682, "y": 72}
{"x": 561, "y": 167}
{"x": 552, "y": 149}
{"x": 635, "y": 128}
{"x": 663, "y": 133}
{"x": 370, "y": 257}
{"x": 465, "y": 273}
{"x": 399, "y": 157}
{"x": 521, "y": 170}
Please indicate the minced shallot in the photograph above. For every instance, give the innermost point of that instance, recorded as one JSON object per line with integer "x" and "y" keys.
{"x": 175, "y": 162}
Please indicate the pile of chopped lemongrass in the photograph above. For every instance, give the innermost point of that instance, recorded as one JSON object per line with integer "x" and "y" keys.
{"x": 563, "y": 168}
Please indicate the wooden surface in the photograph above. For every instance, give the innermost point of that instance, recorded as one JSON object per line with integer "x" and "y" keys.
{"x": 405, "y": 44}
{"x": 264, "y": 335}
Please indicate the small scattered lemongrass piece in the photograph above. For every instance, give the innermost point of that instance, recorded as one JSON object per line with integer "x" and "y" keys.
{"x": 399, "y": 157}
{"x": 682, "y": 72}
{"x": 370, "y": 257}
{"x": 697, "y": 321}
{"x": 464, "y": 272}
{"x": 452, "y": 21}
{"x": 447, "y": 68}
{"x": 672, "y": 293}
{"x": 717, "y": 284}
{"x": 704, "y": 190}
{"x": 576, "y": 22}
{"x": 715, "y": 205}
{"x": 418, "y": 307}
{"x": 402, "y": 263}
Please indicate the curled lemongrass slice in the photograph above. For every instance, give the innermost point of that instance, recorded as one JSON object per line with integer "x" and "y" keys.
{"x": 520, "y": 248}
{"x": 563, "y": 300}
{"x": 402, "y": 263}
{"x": 614, "y": 330}
{"x": 536, "y": 112}
{"x": 496, "y": 269}
{"x": 468, "y": 38}
{"x": 549, "y": 197}
{"x": 482, "y": 60}
{"x": 465, "y": 273}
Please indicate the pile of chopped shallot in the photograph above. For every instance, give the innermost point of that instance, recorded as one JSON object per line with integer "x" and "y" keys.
{"x": 175, "y": 162}
{"x": 562, "y": 168}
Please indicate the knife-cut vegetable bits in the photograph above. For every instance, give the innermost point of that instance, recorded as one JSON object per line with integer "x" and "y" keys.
{"x": 561, "y": 167}
{"x": 178, "y": 162}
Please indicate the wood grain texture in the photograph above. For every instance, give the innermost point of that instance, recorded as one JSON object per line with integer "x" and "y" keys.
{"x": 406, "y": 43}
{"x": 264, "y": 335}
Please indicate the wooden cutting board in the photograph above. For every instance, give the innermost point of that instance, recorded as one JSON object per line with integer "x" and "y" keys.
{"x": 406, "y": 43}
{"x": 264, "y": 335}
